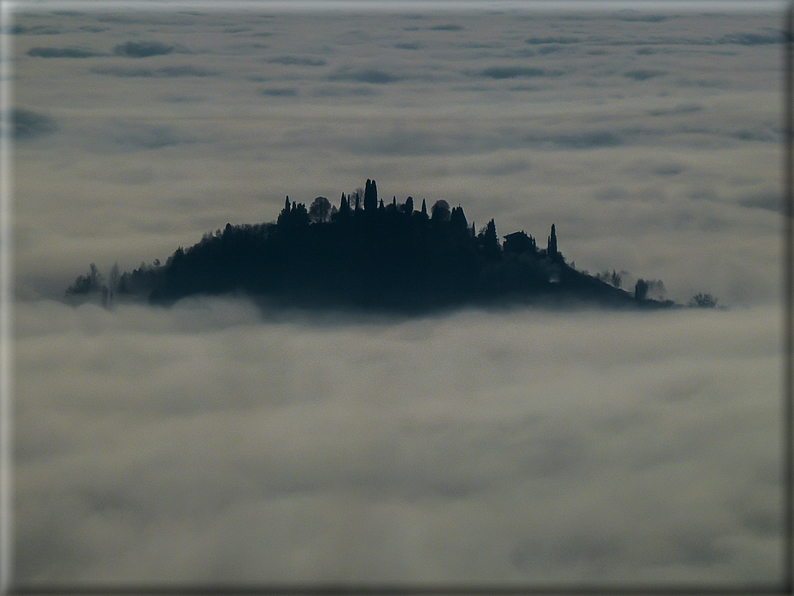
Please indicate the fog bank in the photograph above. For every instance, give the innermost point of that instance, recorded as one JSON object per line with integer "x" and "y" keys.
{"x": 204, "y": 443}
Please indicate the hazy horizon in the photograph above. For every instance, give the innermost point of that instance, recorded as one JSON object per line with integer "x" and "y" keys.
{"x": 652, "y": 142}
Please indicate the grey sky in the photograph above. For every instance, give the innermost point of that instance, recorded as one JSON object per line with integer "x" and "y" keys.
{"x": 214, "y": 442}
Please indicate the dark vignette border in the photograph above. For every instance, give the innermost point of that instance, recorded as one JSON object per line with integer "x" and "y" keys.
{"x": 788, "y": 297}
{"x": 786, "y": 583}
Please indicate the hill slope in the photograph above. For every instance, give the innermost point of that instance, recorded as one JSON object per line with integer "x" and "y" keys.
{"x": 367, "y": 255}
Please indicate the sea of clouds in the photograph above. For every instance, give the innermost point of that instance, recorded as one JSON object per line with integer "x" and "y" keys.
{"x": 652, "y": 140}
{"x": 207, "y": 442}
{"x": 220, "y": 440}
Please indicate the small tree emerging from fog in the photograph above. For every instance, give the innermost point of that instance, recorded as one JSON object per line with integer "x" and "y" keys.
{"x": 641, "y": 289}
{"x": 701, "y": 300}
{"x": 114, "y": 278}
{"x": 85, "y": 284}
{"x": 656, "y": 288}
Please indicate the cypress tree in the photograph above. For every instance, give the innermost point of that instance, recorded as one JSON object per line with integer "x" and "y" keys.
{"x": 370, "y": 196}
{"x": 552, "y": 247}
{"x": 458, "y": 219}
{"x": 283, "y": 217}
{"x": 489, "y": 241}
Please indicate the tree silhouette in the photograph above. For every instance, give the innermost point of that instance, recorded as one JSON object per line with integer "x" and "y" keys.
{"x": 701, "y": 300}
{"x": 283, "y": 216}
{"x": 551, "y": 250}
{"x": 293, "y": 215}
{"x": 86, "y": 284}
{"x": 320, "y": 210}
{"x": 457, "y": 221}
{"x": 489, "y": 241}
{"x": 382, "y": 256}
{"x": 370, "y": 196}
{"x": 656, "y": 288}
{"x": 440, "y": 211}
{"x": 640, "y": 289}
{"x": 344, "y": 208}
{"x": 114, "y": 278}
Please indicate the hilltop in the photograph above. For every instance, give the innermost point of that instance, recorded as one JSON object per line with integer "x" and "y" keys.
{"x": 365, "y": 254}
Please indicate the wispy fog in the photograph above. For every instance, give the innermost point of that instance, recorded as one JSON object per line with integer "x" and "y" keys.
{"x": 206, "y": 442}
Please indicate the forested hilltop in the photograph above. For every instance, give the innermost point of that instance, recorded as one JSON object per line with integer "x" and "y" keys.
{"x": 365, "y": 254}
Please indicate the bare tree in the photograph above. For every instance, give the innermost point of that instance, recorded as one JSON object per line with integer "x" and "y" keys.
{"x": 85, "y": 284}
{"x": 113, "y": 278}
{"x": 356, "y": 198}
{"x": 656, "y": 289}
{"x": 701, "y": 300}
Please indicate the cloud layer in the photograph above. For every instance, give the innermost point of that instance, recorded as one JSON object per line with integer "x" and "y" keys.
{"x": 206, "y": 443}
{"x": 221, "y": 441}
{"x": 142, "y": 49}
{"x": 675, "y": 119}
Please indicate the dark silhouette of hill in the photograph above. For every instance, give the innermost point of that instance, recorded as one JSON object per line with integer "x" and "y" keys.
{"x": 365, "y": 254}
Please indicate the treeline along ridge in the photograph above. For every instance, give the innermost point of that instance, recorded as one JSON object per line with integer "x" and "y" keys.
{"x": 365, "y": 254}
